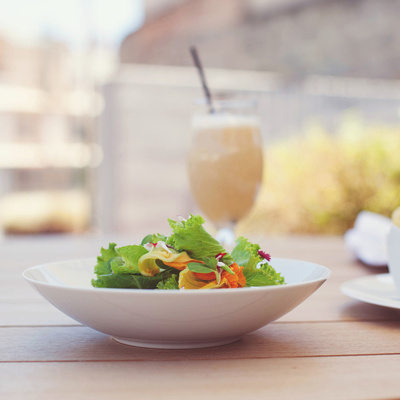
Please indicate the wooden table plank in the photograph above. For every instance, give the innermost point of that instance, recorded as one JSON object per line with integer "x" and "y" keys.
{"x": 350, "y": 378}
{"x": 329, "y": 347}
{"x": 327, "y": 304}
{"x": 33, "y": 312}
{"x": 274, "y": 341}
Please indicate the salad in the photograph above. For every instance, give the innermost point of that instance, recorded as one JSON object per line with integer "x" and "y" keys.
{"x": 189, "y": 258}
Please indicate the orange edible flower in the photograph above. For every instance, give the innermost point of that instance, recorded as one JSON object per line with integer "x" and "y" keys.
{"x": 196, "y": 280}
{"x": 236, "y": 280}
{"x": 210, "y": 276}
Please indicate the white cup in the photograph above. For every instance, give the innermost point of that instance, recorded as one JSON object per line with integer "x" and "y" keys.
{"x": 393, "y": 245}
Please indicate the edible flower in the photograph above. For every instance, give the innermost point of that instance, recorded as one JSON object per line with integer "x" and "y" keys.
{"x": 160, "y": 244}
{"x": 264, "y": 255}
{"x": 160, "y": 251}
{"x": 219, "y": 256}
{"x": 196, "y": 280}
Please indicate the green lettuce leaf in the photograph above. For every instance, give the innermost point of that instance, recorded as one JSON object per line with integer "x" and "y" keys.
{"x": 130, "y": 281}
{"x": 201, "y": 268}
{"x": 130, "y": 256}
{"x": 190, "y": 236}
{"x": 246, "y": 255}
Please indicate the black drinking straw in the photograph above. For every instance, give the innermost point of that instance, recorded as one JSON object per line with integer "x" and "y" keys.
{"x": 197, "y": 63}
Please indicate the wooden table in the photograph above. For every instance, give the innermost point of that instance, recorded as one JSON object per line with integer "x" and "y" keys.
{"x": 330, "y": 347}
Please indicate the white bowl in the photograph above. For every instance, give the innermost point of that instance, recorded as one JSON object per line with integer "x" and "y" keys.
{"x": 175, "y": 319}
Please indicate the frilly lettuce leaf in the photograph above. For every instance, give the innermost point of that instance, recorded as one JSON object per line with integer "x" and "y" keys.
{"x": 170, "y": 283}
{"x": 102, "y": 267}
{"x": 190, "y": 236}
{"x": 246, "y": 255}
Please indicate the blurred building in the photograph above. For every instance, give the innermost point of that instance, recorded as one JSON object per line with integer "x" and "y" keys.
{"x": 357, "y": 38}
{"x": 302, "y": 59}
{"x": 47, "y": 133}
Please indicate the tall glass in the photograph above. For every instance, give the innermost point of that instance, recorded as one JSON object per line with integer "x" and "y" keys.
{"x": 225, "y": 163}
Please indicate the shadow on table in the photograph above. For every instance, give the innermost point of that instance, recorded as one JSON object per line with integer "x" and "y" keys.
{"x": 359, "y": 311}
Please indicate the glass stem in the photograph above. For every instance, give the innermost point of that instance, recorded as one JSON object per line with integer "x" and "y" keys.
{"x": 226, "y": 237}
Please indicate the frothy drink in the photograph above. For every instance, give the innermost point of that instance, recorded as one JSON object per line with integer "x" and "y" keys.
{"x": 225, "y": 165}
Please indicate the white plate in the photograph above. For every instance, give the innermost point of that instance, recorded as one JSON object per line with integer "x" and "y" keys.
{"x": 374, "y": 289}
{"x": 174, "y": 319}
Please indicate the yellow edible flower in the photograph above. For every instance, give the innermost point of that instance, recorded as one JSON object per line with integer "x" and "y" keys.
{"x": 147, "y": 263}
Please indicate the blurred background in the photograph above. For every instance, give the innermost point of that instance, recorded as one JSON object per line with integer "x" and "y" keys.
{"x": 96, "y": 99}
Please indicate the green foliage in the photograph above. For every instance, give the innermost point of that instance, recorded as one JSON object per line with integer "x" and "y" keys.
{"x": 170, "y": 283}
{"x": 320, "y": 181}
{"x": 153, "y": 238}
{"x": 102, "y": 267}
{"x": 130, "y": 281}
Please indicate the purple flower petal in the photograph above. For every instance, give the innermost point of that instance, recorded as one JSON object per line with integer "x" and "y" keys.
{"x": 265, "y": 255}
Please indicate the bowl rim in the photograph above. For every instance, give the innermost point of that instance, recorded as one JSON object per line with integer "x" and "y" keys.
{"x": 325, "y": 274}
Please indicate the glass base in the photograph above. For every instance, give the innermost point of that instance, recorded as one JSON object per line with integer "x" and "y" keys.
{"x": 226, "y": 237}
